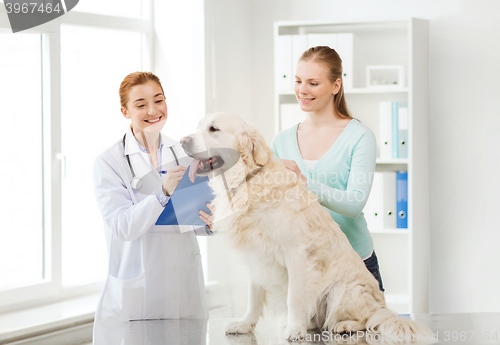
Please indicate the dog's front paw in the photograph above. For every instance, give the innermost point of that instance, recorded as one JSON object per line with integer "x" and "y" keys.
{"x": 295, "y": 332}
{"x": 241, "y": 339}
{"x": 348, "y": 326}
{"x": 239, "y": 327}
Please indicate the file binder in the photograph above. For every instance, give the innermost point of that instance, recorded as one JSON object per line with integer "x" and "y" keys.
{"x": 389, "y": 199}
{"x": 373, "y": 208}
{"x": 186, "y": 201}
{"x": 402, "y": 199}
{"x": 283, "y": 63}
{"x": 395, "y": 129}
{"x": 345, "y": 50}
{"x": 403, "y": 129}
{"x": 385, "y": 130}
{"x": 381, "y": 208}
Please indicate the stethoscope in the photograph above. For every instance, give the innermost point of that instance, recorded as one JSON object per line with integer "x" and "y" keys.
{"x": 136, "y": 182}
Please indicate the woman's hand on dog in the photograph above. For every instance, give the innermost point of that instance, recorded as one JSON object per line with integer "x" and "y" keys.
{"x": 292, "y": 166}
{"x": 207, "y": 218}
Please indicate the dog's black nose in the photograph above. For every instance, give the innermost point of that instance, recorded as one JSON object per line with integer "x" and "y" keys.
{"x": 185, "y": 142}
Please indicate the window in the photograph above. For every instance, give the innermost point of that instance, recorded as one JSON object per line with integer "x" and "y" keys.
{"x": 21, "y": 140}
{"x": 91, "y": 121}
{"x": 59, "y": 87}
{"x": 122, "y": 8}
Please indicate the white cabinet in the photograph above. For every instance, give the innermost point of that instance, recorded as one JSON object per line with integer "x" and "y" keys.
{"x": 403, "y": 253}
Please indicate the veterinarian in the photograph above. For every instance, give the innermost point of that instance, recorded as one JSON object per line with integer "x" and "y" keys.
{"x": 155, "y": 271}
{"x": 333, "y": 153}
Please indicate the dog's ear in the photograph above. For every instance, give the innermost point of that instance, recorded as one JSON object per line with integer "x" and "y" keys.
{"x": 260, "y": 150}
{"x": 253, "y": 147}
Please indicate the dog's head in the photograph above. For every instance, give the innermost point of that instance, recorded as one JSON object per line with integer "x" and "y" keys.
{"x": 221, "y": 140}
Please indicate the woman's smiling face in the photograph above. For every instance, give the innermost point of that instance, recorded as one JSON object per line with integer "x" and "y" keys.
{"x": 313, "y": 89}
{"x": 146, "y": 107}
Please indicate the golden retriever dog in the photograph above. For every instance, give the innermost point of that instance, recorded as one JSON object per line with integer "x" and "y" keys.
{"x": 301, "y": 264}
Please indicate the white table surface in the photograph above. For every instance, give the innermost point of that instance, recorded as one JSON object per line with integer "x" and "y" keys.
{"x": 477, "y": 328}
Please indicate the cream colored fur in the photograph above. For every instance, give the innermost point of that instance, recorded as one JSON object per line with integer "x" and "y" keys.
{"x": 301, "y": 264}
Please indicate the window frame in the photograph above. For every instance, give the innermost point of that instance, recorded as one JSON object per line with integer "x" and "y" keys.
{"x": 51, "y": 288}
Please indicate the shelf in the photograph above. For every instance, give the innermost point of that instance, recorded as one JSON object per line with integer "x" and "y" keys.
{"x": 392, "y": 161}
{"x": 294, "y": 27}
{"x": 360, "y": 90}
{"x": 373, "y": 90}
{"x": 390, "y": 231}
{"x": 385, "y": 165}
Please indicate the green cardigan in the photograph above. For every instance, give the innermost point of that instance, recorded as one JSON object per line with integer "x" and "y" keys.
{"x": 341, "y": 179}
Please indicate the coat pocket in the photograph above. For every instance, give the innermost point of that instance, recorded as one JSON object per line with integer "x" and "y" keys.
{"x": 203, "y": 309}
{"x": 123, "y": 299}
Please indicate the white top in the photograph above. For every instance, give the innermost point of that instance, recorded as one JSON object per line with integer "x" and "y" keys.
{"x": 310, "y": 163}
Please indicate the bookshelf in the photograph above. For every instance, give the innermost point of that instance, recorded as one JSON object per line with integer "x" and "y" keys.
{"x": 403, "y": 253}
{"x": 359, "y": 90}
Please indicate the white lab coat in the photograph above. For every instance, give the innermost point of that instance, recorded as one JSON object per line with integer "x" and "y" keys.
{"x": 155, "y": 271}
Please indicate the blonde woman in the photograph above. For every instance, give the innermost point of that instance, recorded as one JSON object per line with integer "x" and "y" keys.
{"x": 330, "y": 151}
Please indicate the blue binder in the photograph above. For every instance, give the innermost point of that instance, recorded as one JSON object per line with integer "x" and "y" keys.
{"x": 395, "y": 129}
{"x": 186, "y": 202}
{"x": 402, "y": 199}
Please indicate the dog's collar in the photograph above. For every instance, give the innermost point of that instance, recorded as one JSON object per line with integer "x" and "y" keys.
{"x": 248, "y": 177}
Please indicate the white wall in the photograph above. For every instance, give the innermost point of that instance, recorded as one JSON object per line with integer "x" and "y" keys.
{"x": 464, "y": 123}
{"x": 179, "y": 62}
{"x": 179, "y": 42}
{"x": 229, "y": 43}
{"x": 465, "y": 154}
{"x": 229, "y": 49}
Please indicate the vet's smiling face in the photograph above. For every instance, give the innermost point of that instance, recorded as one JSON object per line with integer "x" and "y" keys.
{"x": 213, "y": 147}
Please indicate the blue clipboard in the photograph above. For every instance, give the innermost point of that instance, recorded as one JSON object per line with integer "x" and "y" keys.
{"x": 186, "y": 202}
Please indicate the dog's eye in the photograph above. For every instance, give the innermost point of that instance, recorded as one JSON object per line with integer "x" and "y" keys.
{"x": 213, "y": 129}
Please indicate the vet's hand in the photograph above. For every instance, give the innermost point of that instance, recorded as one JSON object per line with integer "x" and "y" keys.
{"x": 292, "y": 166}
{"x": 208, "y": 218}
{"x": 173, "y": 178}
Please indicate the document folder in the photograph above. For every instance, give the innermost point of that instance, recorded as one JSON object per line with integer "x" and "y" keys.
{"x": 186, "y": 202}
